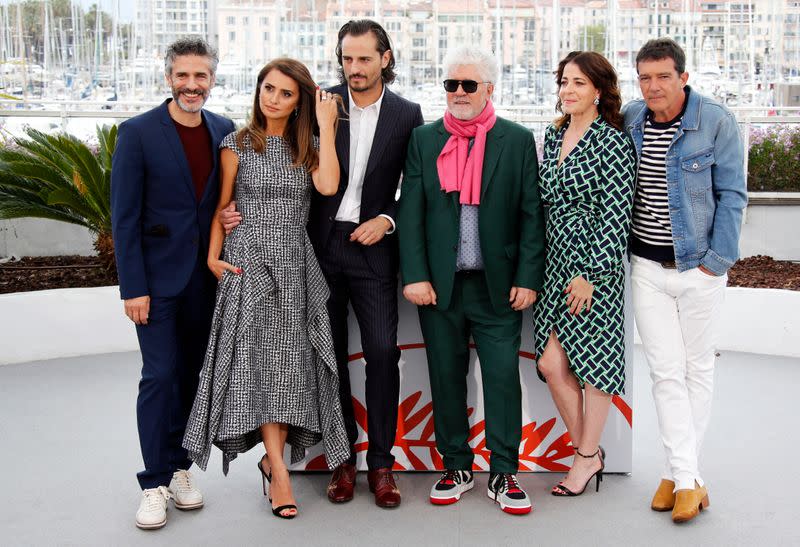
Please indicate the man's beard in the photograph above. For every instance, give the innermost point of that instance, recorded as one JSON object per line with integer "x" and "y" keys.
{"x": 176, "y": 94}
{"x": 365, "y": 83}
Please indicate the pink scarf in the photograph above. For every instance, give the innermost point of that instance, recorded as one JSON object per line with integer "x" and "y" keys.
{"x": 459, "y": 170}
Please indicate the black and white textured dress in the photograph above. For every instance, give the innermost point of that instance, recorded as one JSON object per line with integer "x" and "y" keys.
{"x": 270, "y": 354}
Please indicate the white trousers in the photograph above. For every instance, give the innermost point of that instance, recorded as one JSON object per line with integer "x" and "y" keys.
{"x": 677, "y": 314}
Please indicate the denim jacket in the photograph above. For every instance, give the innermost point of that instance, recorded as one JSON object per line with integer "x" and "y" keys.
{"x": 706, "y": 185}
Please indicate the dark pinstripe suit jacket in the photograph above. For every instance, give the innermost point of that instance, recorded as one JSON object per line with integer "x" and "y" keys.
{"x": 397, "y": 118}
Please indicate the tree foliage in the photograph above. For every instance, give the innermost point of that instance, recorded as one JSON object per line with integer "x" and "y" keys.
{"x": 33, "y": 18}
{"x": 592, "y": 38}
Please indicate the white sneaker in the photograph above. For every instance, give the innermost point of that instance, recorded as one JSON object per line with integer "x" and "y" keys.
{"x": 505, "y": 490}
{"x": 152, "y": 511}
{"x": 184, "y": 492}
{"x": 450, "y": 486}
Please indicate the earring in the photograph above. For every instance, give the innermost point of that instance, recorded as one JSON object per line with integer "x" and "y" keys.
{"x": 596, "y": 101}
{"x": 296, "y": 112}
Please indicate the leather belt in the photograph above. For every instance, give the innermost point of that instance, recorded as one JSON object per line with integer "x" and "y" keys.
{"x": 668, "y": 264}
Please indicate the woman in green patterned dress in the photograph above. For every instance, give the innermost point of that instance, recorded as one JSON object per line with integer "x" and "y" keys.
{"x": 587, "y": 180}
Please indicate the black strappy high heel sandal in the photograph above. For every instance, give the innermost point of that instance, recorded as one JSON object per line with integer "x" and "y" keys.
{"x": 562, "y": 491}
{"x": 265, "y": 477}
{"x": 576, "y": 449}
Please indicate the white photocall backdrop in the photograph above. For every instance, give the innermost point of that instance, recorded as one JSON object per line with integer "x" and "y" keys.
{"x": 545, "y": 443}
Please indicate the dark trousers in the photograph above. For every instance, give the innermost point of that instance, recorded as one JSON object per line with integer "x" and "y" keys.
{"x": 373, "y": 296}
{"x": 173, "y": 344}
{"x": 497, "y": 339}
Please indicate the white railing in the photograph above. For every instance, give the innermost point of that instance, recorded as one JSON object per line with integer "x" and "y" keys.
{"x": 238, "y": 111}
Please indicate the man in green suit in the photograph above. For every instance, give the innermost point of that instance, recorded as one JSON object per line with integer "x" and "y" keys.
{"x": 471, "y": 232}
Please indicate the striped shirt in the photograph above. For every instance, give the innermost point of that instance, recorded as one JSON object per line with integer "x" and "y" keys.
{"x": 651, "y": 224}
{"x": 651, "y": 227}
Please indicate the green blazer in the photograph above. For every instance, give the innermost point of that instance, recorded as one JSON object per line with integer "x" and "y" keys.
{"x": 510, "y": 218}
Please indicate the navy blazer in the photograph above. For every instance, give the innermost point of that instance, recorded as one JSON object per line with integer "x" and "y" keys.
{"x": 397, "y": 118}
{"x": 157, "y": 223}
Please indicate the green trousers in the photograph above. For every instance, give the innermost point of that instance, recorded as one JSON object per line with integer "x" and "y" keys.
{"x": 497, "y": 339}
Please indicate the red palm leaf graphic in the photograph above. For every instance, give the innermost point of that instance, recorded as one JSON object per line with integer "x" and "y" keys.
{"x": 317, "y": 464}
{"x": 624, "y": 408}
{"x": 360, "y": 412}
{"x": 412, "y": 414}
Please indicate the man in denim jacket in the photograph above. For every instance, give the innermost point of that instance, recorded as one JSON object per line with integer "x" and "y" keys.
{"x": 690, "y": 196}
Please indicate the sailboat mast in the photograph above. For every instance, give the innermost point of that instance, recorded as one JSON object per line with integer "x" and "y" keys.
{"x": 115, "y": 46}
{"x": 46, "y": 41}
{"x": 3, "y": 34}
{"x": 63, "y": 49}
{"x": 21, "y": 52}
{"x": 98, "y": 31}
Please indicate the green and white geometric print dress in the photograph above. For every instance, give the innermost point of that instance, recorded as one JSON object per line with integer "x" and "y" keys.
{"x": 588, "y": 202}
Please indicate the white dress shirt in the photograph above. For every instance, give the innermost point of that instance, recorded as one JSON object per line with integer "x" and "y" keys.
{"x": 363, "y": 122}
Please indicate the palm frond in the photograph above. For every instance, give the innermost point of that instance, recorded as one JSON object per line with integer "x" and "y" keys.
{"x": 107, "y": 137}
{"x": 32, "y": 169}
{"x": 58, "y": 177}
{"x": 45, "y": 148}
{"x": 17, "y": 203}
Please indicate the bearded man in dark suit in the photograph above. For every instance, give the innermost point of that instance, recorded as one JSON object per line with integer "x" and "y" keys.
{"x": 353, "y": 233}
{"x": 164, "y": 191}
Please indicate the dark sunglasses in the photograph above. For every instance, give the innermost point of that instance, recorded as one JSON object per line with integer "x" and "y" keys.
{"x": 469, "y": 86}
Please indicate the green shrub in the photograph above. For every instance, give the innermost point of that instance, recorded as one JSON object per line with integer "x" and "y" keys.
{"x": 59, "y": 177}
{"x": 774, "y": 162}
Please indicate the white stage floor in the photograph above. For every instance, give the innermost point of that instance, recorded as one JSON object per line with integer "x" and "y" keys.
{"x": 70, "y": 453}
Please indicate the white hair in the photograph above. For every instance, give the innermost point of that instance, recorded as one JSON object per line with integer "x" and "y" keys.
{"x": 483, "y": 60}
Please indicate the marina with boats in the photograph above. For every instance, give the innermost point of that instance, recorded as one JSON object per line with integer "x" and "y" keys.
{"x": 67, "y": 66}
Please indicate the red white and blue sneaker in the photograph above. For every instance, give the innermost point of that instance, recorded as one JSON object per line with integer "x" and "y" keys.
{"x": 505, "y": 490}
{"x": 450, "y": 486}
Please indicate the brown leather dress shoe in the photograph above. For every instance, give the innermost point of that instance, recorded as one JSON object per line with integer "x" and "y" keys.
{"x": 689, "y": 503}
{"x": 664, "y": 498}
{"x": 343, "y": 480}
{"x": 381, "y": 482}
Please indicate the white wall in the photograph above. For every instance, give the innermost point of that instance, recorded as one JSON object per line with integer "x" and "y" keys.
{"x": 40, "y": 237}
{"x": 767, "y": 230}
{"x": 68, "y": 322}
{"x": 63, "y": 323}
{"x": 771, "y": 230}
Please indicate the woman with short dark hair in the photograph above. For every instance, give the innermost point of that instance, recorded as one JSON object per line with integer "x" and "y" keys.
{"x": 587, "y": 181}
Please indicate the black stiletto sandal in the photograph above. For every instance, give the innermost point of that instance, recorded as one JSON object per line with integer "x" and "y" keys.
{"x": 265, "y": 477}
{"x": 562, "y": 491}
{"x": 576, "y": 449}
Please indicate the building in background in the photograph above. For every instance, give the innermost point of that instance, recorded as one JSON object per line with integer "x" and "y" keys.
{"x": 738, "y": 50}
{"x": 248, "y": 33}
{"x": 160, "y": 22}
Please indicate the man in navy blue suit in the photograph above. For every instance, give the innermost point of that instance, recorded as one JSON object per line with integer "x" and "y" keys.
{"x": 164, "y": 192}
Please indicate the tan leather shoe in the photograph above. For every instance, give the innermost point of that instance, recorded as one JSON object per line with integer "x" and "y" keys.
{"x": 688, "y": 503}
{"x": 664, "y": 498}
